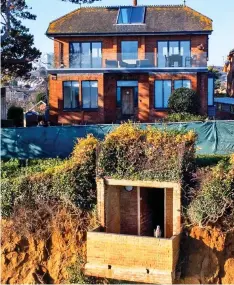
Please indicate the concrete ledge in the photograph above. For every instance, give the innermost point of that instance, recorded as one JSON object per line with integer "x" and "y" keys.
{"x": 135, "y": 274}
{"x": 140, "y": 183}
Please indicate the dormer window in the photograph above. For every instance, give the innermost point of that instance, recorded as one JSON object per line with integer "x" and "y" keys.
{"x": 131, "y": 15}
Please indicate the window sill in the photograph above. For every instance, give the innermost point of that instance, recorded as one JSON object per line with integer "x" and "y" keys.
{"x": 162, "y": 109}
{"x": 71, "y": 110}
{"x": 89, "y": 109}
{"x": 81, "y": 110}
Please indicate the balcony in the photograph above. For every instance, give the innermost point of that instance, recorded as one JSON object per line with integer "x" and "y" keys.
{"x": 130, "y": 62}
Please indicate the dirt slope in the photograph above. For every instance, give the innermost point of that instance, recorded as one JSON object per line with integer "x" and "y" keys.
{"x": 207, "y": 256}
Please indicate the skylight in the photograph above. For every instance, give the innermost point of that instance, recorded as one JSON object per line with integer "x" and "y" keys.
{"x": 131, "y": 15}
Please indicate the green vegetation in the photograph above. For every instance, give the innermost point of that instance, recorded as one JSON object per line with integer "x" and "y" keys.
{"x": 209, "y": 160}
{"x": 184, "y": 117}
{"x": 152, "y": 154}
{"x": 184, "y": 100}
{"x": 13, "y": 168}
{"x": 72, "y": 180}
{"x": 16, "y": 114}
{"x": 213, "y": 203}
{"x": 41, "y": 97}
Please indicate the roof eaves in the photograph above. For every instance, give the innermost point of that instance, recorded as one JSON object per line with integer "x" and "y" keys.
{"x": 129, "y": 33}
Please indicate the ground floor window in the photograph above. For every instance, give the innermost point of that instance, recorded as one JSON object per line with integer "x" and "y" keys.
{"x": 182, "y": 83}
{"x": 162, "y": 92}
{"x": 120, "y": 90}
{"x": 70, "y": 94}
{"x": 89, "y": 94}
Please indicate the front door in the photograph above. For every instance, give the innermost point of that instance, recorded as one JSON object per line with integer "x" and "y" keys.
{"x": 127, "y": 100}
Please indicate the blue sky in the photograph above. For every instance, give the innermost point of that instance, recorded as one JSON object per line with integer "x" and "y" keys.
{"x": 220, "y": 11}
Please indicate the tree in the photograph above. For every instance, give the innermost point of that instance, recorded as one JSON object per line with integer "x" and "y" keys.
{"x": 18, "y": 9}
{"x": 10, "y": 11}
{"x": 18, "y": 52}
{"x": 184, "y": 100}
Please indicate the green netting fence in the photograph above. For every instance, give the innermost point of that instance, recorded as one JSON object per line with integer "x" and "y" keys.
{"x": 214, "y": 137}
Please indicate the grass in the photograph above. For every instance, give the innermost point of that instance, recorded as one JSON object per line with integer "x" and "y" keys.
{"x": 15, "y": 168}
{"x": 204, "y": 160}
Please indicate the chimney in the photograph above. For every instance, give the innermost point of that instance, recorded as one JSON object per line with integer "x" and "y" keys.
{"x": 134, "y": 2}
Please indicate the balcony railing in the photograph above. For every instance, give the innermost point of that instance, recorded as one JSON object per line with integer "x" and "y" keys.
{"x": 118, "y": 61}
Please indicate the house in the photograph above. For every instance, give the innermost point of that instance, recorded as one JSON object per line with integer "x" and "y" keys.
{"x": 118, "y": 63}
{"x": 229, "y": 68}
{"x": 224, "y": 108}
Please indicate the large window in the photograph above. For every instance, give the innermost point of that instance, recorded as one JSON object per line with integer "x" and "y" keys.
{"x": 126, "y": 83}
{"x": 182, "y": 83}
{"x": 70, "y": 94}
{"x": 86, "y": 55}
{"x": 129, "y": 50}
{"x": 174, "y": 54}
{"x": 131, "y": 15}
{"x": 162, "y": 93}
{"x": 89, "y": 94}
{"x": 210, "y": 91}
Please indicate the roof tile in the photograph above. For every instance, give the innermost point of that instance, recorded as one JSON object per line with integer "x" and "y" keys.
{"x": 158, "y": 19}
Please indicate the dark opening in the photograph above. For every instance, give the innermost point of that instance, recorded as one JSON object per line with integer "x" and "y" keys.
{"x": 152, "y": 210}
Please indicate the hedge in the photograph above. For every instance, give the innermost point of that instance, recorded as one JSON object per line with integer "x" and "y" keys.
{"x": 214, "y": 202}
{"x": 72, "y": 180}
{"x": 151, "y": 154}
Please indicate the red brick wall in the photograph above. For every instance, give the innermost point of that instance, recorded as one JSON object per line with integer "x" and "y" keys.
{"x": 112, "y": 45}
{"x": 58, "y": 115}
{"x": 202, "y": 90}
{"x": 107, "y": 86}
{"x": 108, "y": 112}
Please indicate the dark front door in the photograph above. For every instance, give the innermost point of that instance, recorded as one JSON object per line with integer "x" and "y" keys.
{"x": 127, "y": 100}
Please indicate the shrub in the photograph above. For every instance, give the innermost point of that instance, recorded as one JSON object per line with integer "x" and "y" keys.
{"x": 41, "y": 97}
{"x": 16, "y": 114}
{"x": 184, "y": 117}
{"x": 73, "y": 180}
{"x": 152, "y": 154}
{"x": 184, "y": 100}
{"x": 215, "y": 200}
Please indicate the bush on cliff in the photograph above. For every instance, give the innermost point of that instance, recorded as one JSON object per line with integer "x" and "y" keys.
{"x": 214, "y": 202}
{"x": 130, "y": 152}
{"x": 73, "y": 180}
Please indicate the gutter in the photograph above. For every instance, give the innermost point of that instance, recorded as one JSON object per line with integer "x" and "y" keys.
{"x": 127, "y": 34}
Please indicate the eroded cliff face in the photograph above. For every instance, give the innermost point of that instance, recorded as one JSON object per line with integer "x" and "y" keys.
{"x": 207, "y": 256}
{"x": 26, "y": 260}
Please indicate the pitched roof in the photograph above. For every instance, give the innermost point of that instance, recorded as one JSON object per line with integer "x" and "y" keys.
{"x": 158, "y": 19}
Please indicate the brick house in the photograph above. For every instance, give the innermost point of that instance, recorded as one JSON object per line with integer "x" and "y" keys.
{"x": 229, "y": 68}
{"x": 117, "y": 63}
